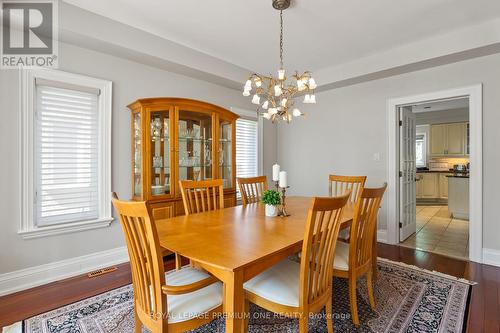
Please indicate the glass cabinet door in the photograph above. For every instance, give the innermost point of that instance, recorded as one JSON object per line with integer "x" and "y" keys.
{"x": 195, "y": 145}
{"x": 160, "y": 176}
{"x": 226, "y": 152}
{"x": 137, "y": 155}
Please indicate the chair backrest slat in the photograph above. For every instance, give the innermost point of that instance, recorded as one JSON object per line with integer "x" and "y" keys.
{"x": 202, "y": 196}
{"x": 148, "y": 275}
{"x": 339, "y": 185}
{"x": 251, "y": 188}
{"x": 364, "y": 225}
{"x": 320, "y": 239}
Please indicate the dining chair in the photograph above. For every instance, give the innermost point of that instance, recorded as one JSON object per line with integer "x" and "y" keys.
{"x": 355, "y": 259}
{"x": 178, "y": 301}
{"x": 299, "y": 289}
{"x": 338, "y": 185}
{"x": 201, "y": 196}
{"x": 251, "y": 188}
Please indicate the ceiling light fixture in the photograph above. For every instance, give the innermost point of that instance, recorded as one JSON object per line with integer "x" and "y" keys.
{"x": 276, "y": 95}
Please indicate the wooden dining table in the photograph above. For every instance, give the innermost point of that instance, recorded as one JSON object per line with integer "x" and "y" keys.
{"x": 237, "y": 243}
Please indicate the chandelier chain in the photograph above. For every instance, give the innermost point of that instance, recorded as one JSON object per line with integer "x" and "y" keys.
{"x": 281, "y": 39}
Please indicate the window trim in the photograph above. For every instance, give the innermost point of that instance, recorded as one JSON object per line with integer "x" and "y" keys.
{"x": 27, "y": 227}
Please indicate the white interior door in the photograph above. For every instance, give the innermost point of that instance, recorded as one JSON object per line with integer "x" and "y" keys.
{"x": 407, "y": 179}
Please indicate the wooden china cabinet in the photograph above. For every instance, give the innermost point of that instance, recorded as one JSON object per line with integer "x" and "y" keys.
{"x": 180, "y": 139}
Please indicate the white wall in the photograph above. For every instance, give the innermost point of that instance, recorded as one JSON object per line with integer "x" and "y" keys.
{"x": 130, "y": 82}
{"x": 348, "y": 125}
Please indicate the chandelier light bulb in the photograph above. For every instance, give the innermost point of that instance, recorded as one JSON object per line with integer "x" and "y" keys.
{"x": 313, "y": 99}
{"x": 281, "y": 74}
{"x": 273, "y": 111}
{"x": 296, "y": 112}
{"x": 256, "y": 99}
{"x": 312, "y": 83}
{"x": 277, "y": 90}
{"x": 301, "y": 85}
{"x": 265, "y": 105}
{"x": 266, "y": 115}
{"x": 246, "y": 93}
{"x": 307, "y": 99}
{"x": 248, "y": 84}
{"x": 283, "y": 102}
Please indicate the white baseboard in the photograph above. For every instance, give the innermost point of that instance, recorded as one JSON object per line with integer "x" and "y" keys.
{"x": 382, "y": 236}
{"x": 491, "y": 257}
{"x": 35, "y": 276}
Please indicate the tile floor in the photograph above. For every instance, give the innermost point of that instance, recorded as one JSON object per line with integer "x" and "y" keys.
{"x": 438, "y": 232}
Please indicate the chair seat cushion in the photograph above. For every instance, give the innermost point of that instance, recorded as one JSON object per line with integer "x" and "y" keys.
{"x": 188, "y": 306}
{"x": 278, "y": 284}
{"x": 341, "y": 261}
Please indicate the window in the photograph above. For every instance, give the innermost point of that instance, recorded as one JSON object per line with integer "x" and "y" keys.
{"x": 66, "y": 166}
{"x": 248, "y": 146}
{"x": 421, "y": 150}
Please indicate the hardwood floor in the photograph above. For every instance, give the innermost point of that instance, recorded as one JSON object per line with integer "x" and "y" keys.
{"x": 484, "y": 314}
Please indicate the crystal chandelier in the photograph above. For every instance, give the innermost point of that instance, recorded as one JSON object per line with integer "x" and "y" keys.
{"x": 276, "y": 96}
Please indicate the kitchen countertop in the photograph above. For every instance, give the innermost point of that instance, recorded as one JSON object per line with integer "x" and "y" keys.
{"x": 459, "y": 175}
{"x": 430, "y": 171}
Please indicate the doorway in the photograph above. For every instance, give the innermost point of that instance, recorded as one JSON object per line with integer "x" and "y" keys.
{"x": 434, "y": 144}
{"x": 432, "y": 212}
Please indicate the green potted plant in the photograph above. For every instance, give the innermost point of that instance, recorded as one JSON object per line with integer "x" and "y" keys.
{"x": 272, "y": 199}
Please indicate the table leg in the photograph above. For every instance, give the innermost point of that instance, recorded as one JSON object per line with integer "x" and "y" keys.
{"x": 234, "y": 302}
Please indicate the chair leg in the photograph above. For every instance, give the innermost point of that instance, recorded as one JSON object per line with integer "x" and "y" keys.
{"x": 369, "y": 282}
{"x": 247, "y": 315}
{"x": 138, "y": 324}
{"x": 329, "y": 315}
{"x": 178, "y": 262}
{"x": 353, "y": 300}
{"x": 303, "y": 322}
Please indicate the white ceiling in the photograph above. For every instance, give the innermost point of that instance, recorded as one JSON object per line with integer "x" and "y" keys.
{"x": 452, "y": 104}
{"x": 318, "y": 33}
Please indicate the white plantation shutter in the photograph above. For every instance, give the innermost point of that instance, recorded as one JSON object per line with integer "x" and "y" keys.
{"x": 66, "y": 155}
{"x": 246, "y": 148}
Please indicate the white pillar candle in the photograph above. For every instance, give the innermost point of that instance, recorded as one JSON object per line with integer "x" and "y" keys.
{"x": 276, "y": 172}
{"x": 283, "y": 183}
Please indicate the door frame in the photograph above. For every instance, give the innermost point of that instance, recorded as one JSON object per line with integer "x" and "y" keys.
{"x": 475, "y": 95}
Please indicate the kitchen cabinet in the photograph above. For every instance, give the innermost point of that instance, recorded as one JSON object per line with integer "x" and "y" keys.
{"x": 448, "y": 139}
{"x": 430, "y": 188}
{"x": 458, "y": 203}
{"x": 419, "y": 188}
{"x": 432, "y": 185}
{"x": 443, "y": 185}
{"x": 438, "y": 139}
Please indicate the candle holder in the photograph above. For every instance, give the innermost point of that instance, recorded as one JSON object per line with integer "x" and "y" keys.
{"x": 283, "y": 212}
{"x": 277, "y": 185}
